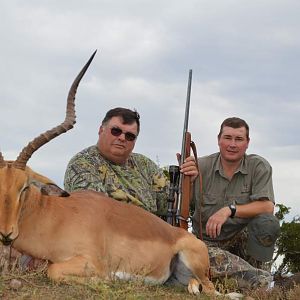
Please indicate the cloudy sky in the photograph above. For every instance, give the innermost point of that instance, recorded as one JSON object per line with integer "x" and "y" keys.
{"x": 244, "y": 56}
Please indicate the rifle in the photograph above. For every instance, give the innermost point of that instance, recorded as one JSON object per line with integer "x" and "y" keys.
{"x": 180, "y": 185}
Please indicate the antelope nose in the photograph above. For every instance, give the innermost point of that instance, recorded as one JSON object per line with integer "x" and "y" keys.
{"x": 5, "y": 239}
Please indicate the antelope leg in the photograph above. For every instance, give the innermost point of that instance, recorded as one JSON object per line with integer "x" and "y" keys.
{"x": 75, "y": 268}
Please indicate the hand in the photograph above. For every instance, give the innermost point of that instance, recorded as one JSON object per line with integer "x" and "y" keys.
{"x": 216, "y": 221}
{"x": 188, "y": 167}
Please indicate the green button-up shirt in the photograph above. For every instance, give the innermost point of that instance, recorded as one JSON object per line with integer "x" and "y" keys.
{"x": 251, "y": 182}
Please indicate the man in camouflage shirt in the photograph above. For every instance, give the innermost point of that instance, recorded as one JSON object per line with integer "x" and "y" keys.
{"x": 110, "y": 166}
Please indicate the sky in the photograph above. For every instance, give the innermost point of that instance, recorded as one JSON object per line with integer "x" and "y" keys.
{"x": 244, "y": 56}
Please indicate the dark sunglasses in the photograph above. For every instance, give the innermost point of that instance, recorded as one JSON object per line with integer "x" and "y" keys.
{"x": 129, "y": 136}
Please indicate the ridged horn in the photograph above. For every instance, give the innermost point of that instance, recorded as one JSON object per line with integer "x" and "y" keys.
{"x": 68, "y": 123}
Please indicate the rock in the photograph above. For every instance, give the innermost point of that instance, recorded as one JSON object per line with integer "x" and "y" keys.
{"x": 15, "y": 284}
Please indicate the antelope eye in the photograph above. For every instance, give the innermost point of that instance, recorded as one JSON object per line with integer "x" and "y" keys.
{"x": 25, "y": 188}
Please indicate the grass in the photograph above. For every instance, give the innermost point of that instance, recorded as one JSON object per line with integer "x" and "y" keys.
{"x": 17, "y": 284}
{"x": 37, "y": 286}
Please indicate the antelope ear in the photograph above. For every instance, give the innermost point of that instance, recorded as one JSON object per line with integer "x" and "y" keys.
{"x": 52, "y": 189}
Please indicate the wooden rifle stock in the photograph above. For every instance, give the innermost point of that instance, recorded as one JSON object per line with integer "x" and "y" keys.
{"x": 185, "y": 188}
{"x": 184, "y": 194}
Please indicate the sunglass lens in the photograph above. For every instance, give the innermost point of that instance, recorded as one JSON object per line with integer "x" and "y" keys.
{"x": 115, "y": 131}
{"x": 130, "y": 136}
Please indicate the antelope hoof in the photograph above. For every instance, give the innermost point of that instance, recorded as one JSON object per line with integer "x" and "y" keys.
{"x": 193, "y": 286}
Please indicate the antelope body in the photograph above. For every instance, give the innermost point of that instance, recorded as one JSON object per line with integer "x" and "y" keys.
{"x": 85, "y": 233}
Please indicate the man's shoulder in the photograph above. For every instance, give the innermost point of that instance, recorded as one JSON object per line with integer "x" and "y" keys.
{"x": 255, "y": 159}
{"x": 144, "y": 164}
{"x": 211, "y": 158}
{"x": 88, "y": 150}
{"x": 141, "y": 158}
{"x": 208, "y": 163}
{"x": 85, "y": 154}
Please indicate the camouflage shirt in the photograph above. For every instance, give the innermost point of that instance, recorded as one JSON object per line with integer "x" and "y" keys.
{"x": 140, "y": 181}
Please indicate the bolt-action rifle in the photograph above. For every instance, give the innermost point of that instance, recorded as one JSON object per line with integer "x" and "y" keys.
{"x": 178, "y": 213}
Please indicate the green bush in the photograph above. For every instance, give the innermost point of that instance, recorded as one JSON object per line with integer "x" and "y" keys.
{"x": 288, "y": 243}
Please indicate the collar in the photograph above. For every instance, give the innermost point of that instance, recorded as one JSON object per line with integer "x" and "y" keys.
{"x": 243, "y": 167}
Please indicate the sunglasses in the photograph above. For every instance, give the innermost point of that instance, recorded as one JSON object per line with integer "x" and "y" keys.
{"x": 129, "y": 136}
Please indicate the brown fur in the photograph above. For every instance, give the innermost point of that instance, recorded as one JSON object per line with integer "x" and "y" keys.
{"x": 88, "y": 234}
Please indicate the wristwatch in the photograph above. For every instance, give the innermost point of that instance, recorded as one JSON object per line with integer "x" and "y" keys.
{"x": 232, "y": 207}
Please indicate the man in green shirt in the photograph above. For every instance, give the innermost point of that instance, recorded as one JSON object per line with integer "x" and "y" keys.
{"x": 236, "y": 202}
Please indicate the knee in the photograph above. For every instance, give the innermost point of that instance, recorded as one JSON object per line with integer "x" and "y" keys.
{"x": 263, "y": 232}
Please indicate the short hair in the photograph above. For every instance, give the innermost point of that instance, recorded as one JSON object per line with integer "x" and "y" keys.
{"x": 234, "y": 122}
{"x": 128, "y": 116}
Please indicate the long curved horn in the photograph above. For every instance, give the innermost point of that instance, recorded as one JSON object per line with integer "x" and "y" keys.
{"x": 68, "y": 123}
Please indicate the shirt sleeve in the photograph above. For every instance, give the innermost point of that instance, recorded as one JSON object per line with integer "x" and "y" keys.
{"x": 262, "y": 188}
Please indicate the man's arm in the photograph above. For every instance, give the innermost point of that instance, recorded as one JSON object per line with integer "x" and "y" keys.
{"x": 249, "y": 210}
{"x": 254, "y": 208}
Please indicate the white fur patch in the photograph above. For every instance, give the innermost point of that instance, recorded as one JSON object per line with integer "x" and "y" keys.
{"x": 122, "y": 275}
{"x": 193, "y": 287}
{"x": 231, "y": 296}
{"x": 127, "y": 276}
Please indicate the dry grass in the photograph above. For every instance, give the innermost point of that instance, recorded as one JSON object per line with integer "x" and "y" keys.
{"x": 38, "y": 286}
{"x": 17, "y": 284}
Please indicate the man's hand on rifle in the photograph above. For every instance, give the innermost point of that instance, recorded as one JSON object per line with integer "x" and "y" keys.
{"x": 188, "y": 167}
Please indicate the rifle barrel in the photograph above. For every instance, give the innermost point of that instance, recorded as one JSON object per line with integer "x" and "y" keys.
{"x": 186, "y": 116}
{"x": 186, "y": 137}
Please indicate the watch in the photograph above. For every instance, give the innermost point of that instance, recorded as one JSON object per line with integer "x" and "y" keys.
{"x": 232, "y": 207}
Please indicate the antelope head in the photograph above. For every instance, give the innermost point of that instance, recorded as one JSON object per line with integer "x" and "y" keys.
{"x": 16, "y": 177}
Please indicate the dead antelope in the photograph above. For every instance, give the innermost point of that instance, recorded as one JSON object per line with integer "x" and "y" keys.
{"x": 86, "y": 234}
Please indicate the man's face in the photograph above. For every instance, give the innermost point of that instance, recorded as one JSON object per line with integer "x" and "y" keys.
{"x": 116, "y": 148}
{"x": 233, "y": 143}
